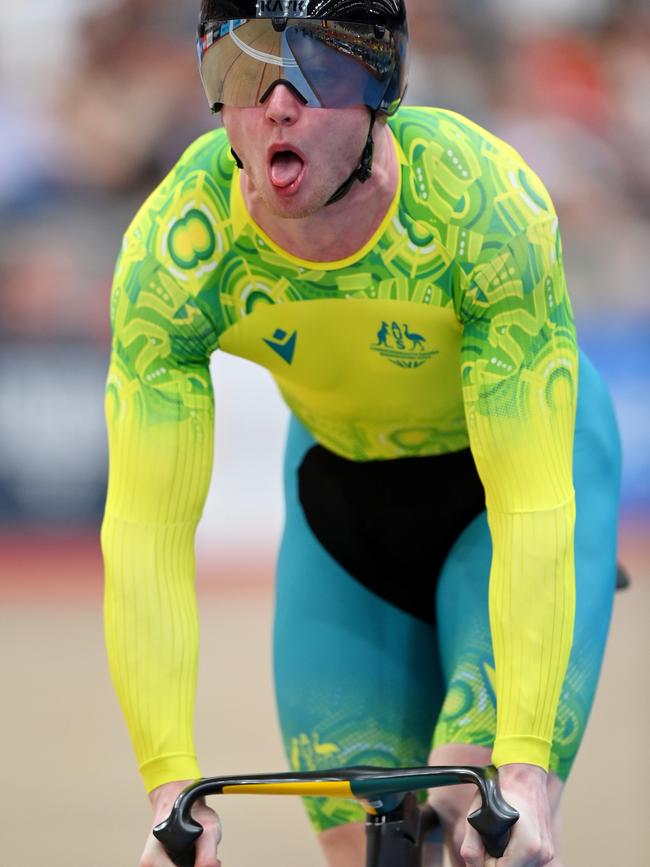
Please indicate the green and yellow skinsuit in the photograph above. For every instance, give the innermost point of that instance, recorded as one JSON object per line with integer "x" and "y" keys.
{"x": 451, "y": 328}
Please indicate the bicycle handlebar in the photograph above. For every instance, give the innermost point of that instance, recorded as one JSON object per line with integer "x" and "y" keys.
{"x": 375, "y": 787}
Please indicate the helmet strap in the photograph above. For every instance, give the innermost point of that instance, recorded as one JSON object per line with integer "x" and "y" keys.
{"x": 363, "y": 170}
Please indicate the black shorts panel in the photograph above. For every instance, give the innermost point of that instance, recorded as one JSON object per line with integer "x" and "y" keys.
{"x": 391, "y": 524}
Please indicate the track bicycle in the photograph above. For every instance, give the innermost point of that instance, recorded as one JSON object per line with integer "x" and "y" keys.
{"x": 396, "y": 827}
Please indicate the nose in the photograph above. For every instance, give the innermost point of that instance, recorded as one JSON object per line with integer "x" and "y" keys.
{"x": 282, "y": 104}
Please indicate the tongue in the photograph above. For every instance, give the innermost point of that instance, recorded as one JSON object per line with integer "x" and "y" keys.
{"x": 285, "y": 168}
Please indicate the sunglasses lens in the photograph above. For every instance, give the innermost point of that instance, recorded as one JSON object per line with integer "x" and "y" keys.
{"x": 330, "y": 63}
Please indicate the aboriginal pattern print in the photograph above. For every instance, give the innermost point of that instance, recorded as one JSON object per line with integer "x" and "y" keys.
{"x": 467, "y": 263}
{"x": 468, "y": 714}
{"x": 339, "y": 741}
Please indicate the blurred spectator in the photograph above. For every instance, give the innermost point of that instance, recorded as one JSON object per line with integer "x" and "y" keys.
{"x": 55, "y": 279}
{"x": 453, "y": 45}
{"x": 28, "y": 149}
{"x": 522, "y": 16}
{"x": 135, "y": 100}
{"x": 626, "y": 59}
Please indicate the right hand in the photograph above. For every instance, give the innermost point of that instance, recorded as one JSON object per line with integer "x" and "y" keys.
{"x": 162, "y": 800}
{"x": 531, "y": 845}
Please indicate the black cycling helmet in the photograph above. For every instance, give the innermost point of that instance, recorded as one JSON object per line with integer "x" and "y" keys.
{"x": 333, "y": 53}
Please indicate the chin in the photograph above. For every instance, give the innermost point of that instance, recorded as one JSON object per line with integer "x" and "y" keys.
{"x": 295, "y": 207}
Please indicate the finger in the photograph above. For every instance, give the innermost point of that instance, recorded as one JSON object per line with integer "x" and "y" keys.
{"x": 154, "y": 854}
{"x": 206, "y": 852}
{"x": 207, "y": 859}
{"x": 526, "y": 853}
{"x": 472, "y": 850}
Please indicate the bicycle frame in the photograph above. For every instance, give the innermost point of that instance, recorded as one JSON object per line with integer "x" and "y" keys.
{"x": 396, "y": 839}
{"x": 382, "y": 793}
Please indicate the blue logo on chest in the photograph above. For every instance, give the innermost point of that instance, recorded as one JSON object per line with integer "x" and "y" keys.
{"x": 401, "y": 346}
{"x": 283, "y": 344}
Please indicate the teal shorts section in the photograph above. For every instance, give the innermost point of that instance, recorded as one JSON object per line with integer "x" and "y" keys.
{"x": 359, "y": 681}
{"x": 356, "y": 679}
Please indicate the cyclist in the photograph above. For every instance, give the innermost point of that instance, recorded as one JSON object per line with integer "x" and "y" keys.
{"x": 399, "y": 273}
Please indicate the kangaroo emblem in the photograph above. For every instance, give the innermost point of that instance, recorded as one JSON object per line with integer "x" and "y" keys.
{"x": 382, "y": 335}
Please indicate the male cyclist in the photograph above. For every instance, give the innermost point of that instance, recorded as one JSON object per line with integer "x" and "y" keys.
{"x": 451, "y": 456}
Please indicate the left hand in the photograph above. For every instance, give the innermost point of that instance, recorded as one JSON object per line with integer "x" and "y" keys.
{"x": 531, "y": 844}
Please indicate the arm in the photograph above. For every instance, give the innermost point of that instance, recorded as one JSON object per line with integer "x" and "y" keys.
{"x": 159, "y": 411}
{"x": 519, "y": 370}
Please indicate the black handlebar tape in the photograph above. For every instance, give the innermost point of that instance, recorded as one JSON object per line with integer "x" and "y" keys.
{"x": 495, "y": 817}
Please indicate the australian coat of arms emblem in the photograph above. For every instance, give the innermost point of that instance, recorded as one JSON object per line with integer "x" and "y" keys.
{"x": 401, "y": 346}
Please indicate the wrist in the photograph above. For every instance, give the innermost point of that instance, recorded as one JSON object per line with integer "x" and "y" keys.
{"x": 520, "y": 774}
{"x": 164, "y": 796}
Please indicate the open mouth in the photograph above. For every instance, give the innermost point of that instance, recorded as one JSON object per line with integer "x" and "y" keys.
{"x": 286, "y": 169}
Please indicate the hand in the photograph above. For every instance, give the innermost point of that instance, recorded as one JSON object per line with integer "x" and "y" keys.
{"x": 162, "y": 799}
{"x": 531, "y": 844}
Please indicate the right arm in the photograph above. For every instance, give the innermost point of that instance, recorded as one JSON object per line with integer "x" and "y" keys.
{"x": 159, "y": 409}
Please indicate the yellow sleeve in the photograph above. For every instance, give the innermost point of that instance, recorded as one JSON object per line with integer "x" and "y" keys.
{"x": 159, "y": 410}
{"x": 519, "y": 371}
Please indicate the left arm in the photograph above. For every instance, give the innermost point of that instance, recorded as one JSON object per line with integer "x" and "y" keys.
{"x": 519, "y": 373}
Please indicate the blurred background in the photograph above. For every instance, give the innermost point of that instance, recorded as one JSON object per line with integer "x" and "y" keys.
{"x": 98, "y": 98}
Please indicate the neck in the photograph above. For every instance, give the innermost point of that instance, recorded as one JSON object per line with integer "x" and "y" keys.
{"x": 341, "y": 229}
